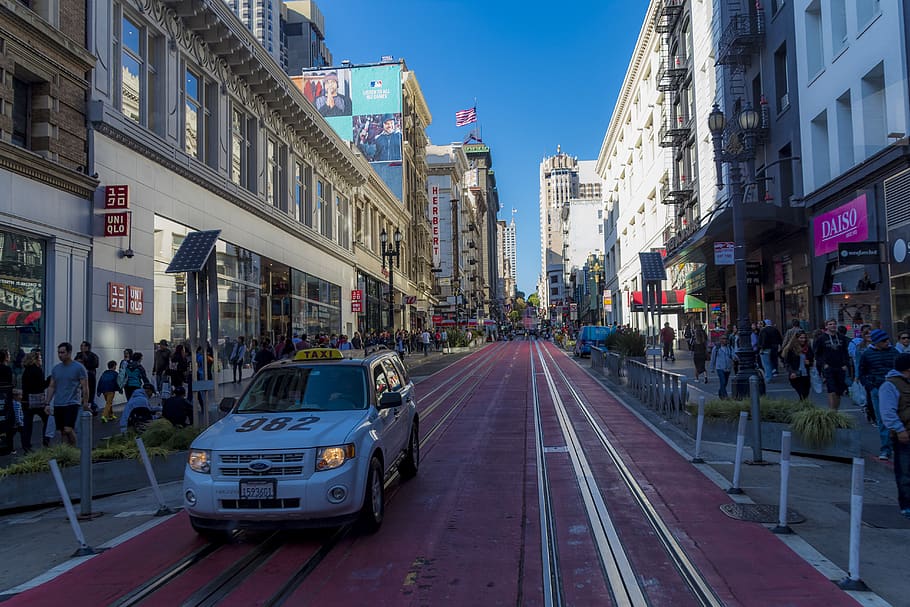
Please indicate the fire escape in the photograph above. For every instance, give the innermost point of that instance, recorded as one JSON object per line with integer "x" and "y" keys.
{"x": 677, "y": 187}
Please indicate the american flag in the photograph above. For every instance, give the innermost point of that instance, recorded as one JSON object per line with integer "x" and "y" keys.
{"x": 464, "y": 117}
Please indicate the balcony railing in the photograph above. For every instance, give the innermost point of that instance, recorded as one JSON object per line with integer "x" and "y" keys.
{"x": 667, "y": 15}
{"x": 742, "y": 38}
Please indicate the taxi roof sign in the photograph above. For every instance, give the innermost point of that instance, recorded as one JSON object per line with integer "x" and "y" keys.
{"x": 319, "y": 354}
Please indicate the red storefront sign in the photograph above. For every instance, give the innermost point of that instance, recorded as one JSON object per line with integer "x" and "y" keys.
{"x": 134, "y": 300}
{"x": 357, "y": 295}
{"x": 117, "y": 224}
{"x": 116, "y": 297}
{"x": 117, "y": 197}
{"x": 356, "y": 306}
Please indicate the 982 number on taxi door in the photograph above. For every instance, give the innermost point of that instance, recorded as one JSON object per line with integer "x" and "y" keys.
{"x": 277, "y": 424}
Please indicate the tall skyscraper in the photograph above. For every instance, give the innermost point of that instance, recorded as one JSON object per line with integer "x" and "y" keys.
{"x": 509, "y": 248}
{"x": 264, "y": 19}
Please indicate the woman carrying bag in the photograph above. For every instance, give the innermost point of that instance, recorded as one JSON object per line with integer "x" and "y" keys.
{"x": 799, "y": 359}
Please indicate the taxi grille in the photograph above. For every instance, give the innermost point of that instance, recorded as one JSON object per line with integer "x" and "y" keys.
{"x": 268, "y": 504}
{"x": 246, "y": 472}
{"x": 283, "y": 464}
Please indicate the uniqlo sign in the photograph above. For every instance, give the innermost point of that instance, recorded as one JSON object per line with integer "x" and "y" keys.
{"x": 116, "y": 297}
{"x": 117, "y": 197}
{"x": 117, "y": 224}
{"x": 356, "y": 306}
{"x": 134, "y": 300}
{"x": 357, "y": 295}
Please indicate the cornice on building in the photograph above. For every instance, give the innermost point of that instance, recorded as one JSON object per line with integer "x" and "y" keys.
{"x": 34, "y": 166}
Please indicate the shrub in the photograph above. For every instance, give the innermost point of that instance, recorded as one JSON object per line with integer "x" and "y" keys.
{"x": 777, "y": 410}
{"x": 160, "y": 439}
{"x": 816, "y": 426}
{"x": 624, "y": 343}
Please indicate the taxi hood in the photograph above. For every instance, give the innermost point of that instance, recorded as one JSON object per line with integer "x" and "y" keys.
{"x": 294, "y": 430}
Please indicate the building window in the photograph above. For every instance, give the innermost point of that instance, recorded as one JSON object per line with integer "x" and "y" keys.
{"x": 138, "y": 51}
{"x": 815, "y": 59}
{"x": 240, "y": 152}
{"x": 22, "y": 113}
{"x": 844, "y": 107}
{"x": 874, "y": 110}
{"x": 781, "y": 78}
{"x": 342, "y": 206}
{"x": 320, "y": 208}
{"x": 866, "y": 11}
{"x": 821, "y": 157}
{"x": 273, "y": 174}
{"x": 838, "y": 25}
{"x": 299, "y": 191}
{"x": 193, "y": 131}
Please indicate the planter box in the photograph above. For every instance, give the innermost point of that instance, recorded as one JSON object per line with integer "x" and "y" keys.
{"x": 846, "y": 444}
{"x": 28, "y": 490}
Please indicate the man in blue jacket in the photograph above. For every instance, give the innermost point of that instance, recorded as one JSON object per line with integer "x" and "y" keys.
{"x": 874, "y": 364}
{"x": 894, "y": 395}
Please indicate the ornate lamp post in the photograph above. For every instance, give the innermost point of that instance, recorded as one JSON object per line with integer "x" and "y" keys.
{"x": 738, "y": 148}
{"x": 391, "y": 251}
{"x": 597, "y": 269}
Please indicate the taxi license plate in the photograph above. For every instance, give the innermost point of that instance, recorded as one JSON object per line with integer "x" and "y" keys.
{"x": 258, "y": 490}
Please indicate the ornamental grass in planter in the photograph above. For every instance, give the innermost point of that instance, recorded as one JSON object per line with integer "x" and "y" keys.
{"x": 814, "y": 425}
{"x": 160, "y": 438}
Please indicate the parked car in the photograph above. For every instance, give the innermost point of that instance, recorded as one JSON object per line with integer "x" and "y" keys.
{"x": 590, "y": 335}
{"x": 309, "y": 443}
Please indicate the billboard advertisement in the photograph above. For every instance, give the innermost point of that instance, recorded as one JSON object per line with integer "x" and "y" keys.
{"x": 363, "y": 105}
{"x": 846, "y": 223}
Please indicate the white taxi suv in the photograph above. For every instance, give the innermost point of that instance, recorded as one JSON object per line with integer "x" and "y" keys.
{"x": 309, "y": 443}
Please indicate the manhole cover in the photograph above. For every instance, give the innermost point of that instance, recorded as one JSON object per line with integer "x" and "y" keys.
{"x": 760, "y": 513}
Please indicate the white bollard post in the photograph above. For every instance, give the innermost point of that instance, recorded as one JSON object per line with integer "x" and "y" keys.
{"x": 782, "y": 526}
{"x": 163, "y": 509}
{"x": 84, "y": 549}
{"x": 853, "y": 581}
{"x": 740, "y": 442}
{"x": 698, "y": 431}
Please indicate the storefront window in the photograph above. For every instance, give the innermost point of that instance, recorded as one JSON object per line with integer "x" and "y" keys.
{"x": 900, "y": 291}
{"x": 853, "y": 310}
{"x": 22, "y": 283}
{"x": 796, "y": 305}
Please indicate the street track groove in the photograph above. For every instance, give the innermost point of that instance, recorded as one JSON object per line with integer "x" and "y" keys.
{"x": 700, "y": 591}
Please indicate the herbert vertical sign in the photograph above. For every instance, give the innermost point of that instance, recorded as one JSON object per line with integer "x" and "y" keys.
{"x": 434, "y": 221}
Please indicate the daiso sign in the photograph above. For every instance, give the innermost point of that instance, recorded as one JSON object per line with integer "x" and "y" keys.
{"x": 847, "y": 223}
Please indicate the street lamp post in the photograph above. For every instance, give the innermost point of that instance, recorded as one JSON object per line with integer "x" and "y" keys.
{"x": 597, "y": 294}
{"x": 740, "y": 148}
{"x": 389, "y": 251}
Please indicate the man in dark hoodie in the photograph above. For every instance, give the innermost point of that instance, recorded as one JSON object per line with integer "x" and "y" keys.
{"x": 874, "y": 364}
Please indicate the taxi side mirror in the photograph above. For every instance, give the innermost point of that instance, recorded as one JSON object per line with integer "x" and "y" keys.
{"x": 227, "y": 404}
{"x": 390, "y": 399}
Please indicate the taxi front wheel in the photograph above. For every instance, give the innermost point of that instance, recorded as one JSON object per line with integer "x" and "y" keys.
{"x": 373, "y": 510}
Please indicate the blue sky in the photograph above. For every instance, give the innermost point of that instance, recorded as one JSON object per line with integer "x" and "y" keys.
{"x": 543, "y": 73}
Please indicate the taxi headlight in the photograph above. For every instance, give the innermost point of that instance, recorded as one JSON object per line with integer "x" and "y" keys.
{"x": 328, "y": 458}
{"x": 200, "y": 460}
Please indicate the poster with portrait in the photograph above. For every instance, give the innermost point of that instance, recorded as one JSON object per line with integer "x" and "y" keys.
{"x": 374, "y": 119}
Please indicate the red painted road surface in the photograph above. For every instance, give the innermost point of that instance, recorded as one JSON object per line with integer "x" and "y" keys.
{"x": 467, "y": 531}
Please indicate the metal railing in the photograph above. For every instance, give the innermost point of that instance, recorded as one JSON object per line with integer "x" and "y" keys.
{"x": 664, "y": 391}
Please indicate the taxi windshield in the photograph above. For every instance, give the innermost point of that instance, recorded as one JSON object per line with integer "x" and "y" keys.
{"x": 321, "y": 387}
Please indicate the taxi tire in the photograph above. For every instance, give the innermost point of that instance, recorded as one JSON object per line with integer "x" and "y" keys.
{"x": 411, "y": 462}
{"x": 373, "y": 510}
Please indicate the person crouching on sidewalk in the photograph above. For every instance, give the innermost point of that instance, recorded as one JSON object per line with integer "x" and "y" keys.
{"x": 894, "y": 405}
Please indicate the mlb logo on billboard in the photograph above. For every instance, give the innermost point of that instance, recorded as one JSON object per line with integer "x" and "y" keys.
{"x": 375, "y": 84}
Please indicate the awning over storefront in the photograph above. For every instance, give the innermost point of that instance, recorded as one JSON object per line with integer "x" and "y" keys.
{"x": 18, "y": 318}
{"x": 694, "y": 304}
{"x": 671, "y": 301}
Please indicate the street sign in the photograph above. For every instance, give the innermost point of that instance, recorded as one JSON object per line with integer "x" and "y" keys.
{"x": 723, "y": 253}
{"x": 608, "y": 300}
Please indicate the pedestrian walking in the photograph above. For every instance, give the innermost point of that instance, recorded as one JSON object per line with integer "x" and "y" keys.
{"x": 699, "y": 347}
{"x": 89, "y": 360}
{"x": 874, "y": 364}
{"x": 133, "y": 375}
{"x": 425, "y": 342}
{"x": 161, "y": 363}
{"x": 180, "y": 367}
{"x": 67, "y": 390}
{"x": 8, "y": 427}
{"x": 894, "y": 404}
{"x": 769, "y": 342}
{"x": 832, "y": 359}
{"x": 722, "y": 358}
{"x": 34, "y": 385}
{"x": 798, "y": 360}
{"x": 108, "y": 386}
{"x": 668, "y": 336}
{"x": 445, "y": 341}
{"x": 237, "y": 359}
{"x": 903, "y": 343}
